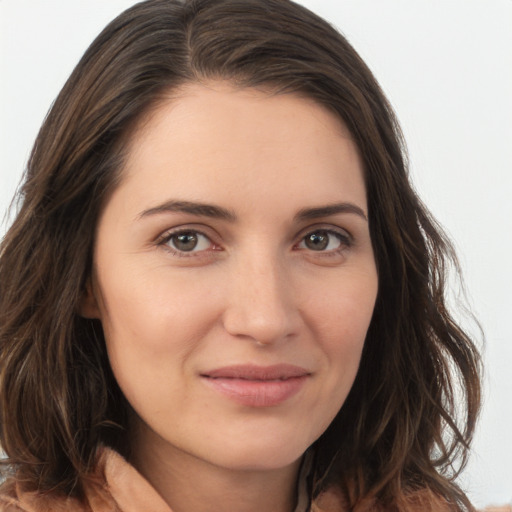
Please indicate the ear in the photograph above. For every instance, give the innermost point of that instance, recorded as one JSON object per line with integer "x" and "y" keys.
{"x": 88, "y": 307}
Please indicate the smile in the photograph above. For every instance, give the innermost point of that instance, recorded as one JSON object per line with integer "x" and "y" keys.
{"x": 257, "y": 386}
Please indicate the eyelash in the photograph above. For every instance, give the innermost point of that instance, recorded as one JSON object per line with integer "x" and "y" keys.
{"x": 166, "y": 238}
{"x": 345, "y": 241}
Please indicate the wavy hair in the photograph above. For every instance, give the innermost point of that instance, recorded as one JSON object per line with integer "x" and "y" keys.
{"x": 411, "y": 412}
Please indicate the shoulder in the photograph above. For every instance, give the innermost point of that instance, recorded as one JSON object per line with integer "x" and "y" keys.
{"x": 9, "y": 501}
{"x": 333, "y": 500}
{"x": 113, "y": 486}
{"x": 13, "y": 499}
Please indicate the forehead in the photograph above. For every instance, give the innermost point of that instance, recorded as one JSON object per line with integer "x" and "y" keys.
{"x": 217, "y": 140}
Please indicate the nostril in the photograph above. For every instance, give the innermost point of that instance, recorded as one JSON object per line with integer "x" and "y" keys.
{"x": 262, "y": 325}
{"x": 261, "y": 304}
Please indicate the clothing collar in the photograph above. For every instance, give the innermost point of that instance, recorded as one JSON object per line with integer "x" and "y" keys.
{"x": 131, "y": 492}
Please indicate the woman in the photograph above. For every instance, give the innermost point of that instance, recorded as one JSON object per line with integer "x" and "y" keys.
{"x": 220, "y": 291}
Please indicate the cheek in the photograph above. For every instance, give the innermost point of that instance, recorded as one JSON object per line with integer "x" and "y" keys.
{"x": 151, "y": 329}
{"x": 341, "y": 323}
{"x": 341, "y": 317}
{"x": 343, "y": 309}
{"x": 155, "y": 313}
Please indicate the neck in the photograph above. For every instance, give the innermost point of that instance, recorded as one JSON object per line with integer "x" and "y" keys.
{"x": 190, "y": 484}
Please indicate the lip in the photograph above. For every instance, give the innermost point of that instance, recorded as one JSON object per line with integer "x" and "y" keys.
{"x": 257, "y": 386}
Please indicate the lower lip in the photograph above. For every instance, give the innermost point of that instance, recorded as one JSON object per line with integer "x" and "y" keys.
{"x": 257, "y": 393}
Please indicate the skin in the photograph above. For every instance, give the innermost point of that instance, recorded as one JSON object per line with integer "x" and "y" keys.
{"x": 251, "y": 291}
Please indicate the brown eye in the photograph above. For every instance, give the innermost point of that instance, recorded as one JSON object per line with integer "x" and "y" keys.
{"x": 188, "y": 241}
{"x": 317, "y": 241}
{"x": 324, "y": 240}
{"x": 185, "y": 241}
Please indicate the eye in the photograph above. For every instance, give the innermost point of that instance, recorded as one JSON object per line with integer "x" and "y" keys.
{"x": 323, "y": 240}
{"x": 187, "y": 241}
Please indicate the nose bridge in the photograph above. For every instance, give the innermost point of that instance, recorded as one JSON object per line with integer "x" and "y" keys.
{"x": 261, "y": 304}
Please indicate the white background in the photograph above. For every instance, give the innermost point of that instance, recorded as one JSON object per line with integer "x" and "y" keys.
{"x": 446, "y": 67}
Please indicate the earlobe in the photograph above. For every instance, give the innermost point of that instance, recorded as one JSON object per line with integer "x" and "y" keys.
{"x": 88, "y": 307}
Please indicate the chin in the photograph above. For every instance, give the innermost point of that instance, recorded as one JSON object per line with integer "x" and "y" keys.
{"x": 260, "y": 454}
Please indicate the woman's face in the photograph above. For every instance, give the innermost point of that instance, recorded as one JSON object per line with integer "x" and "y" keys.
{"x": 234, "y": 275}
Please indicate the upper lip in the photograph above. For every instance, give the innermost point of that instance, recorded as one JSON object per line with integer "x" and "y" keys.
{"x": 254, "y": 372}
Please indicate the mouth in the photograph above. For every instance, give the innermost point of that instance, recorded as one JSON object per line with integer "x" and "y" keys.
{"x": 257, "y": 386}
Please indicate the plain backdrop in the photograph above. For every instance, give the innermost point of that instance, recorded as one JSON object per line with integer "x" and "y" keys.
{"x": 446, "y": 67}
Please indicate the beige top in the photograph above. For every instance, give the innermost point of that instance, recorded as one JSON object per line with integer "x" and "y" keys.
{"x": 119, "y": 487}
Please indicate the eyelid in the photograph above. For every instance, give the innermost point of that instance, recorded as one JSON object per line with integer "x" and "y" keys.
{"x": 346, "y": 238}
{"x": 346, "y": 241}
{"x": 163, "y": 239}
{"x": 329, "y": 228}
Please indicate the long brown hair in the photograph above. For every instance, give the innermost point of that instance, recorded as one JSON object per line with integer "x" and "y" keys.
{"x": 400, "y": 430}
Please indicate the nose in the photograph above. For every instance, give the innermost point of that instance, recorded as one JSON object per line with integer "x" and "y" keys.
{"x": 261, "y": 305}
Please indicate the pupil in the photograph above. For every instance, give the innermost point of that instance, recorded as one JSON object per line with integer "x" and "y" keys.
{"x": 317, "y": 241}
{"x": 185, "y": 241}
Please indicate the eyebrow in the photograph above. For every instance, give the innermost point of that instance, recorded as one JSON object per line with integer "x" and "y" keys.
{"x": 199, "y": 209}
{"x": 328, "y": 210}
{"x": 218, "y": 212}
